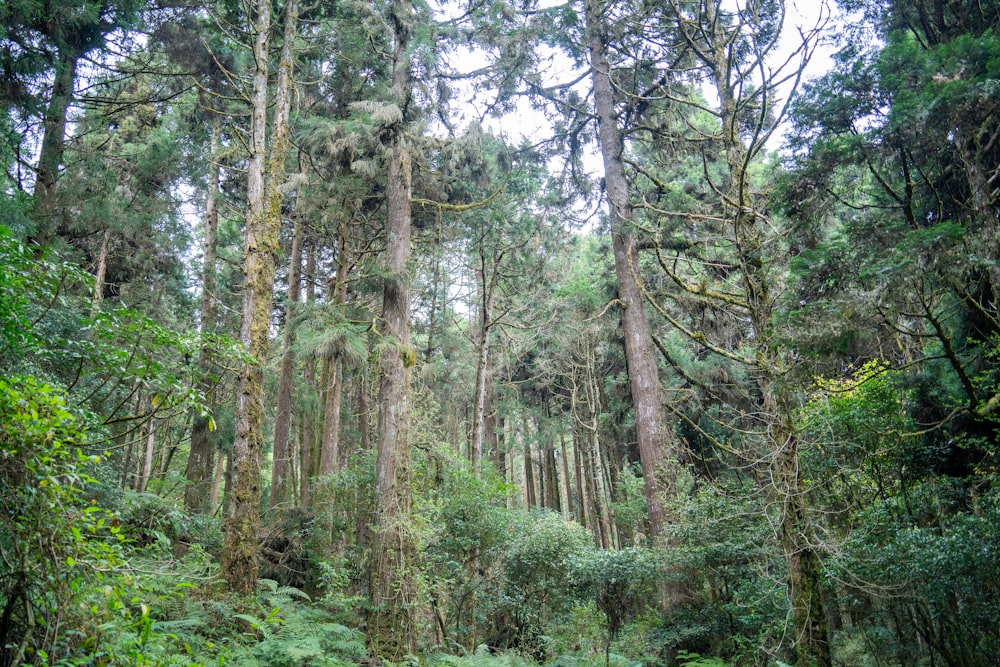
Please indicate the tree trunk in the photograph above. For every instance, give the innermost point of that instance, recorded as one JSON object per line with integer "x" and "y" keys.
{"x": 531, "y": 499}
{"x": 329, "y": 461}
{"x": 53, "y": 143}
{"x": 650, "y": 423}
{"x": 310, "y": 427}
{"x": 272, "y": 211}
{"x": 480, "y": 409}
{"x": 391, "y": 617}
{"x": 498, "y": 451}
{"x": 199, "y": 464}
{"x": 146, "y": 471}
{"x": 583, "y": 511}
{"x": 280, "y": 473}
{"x": 217, "y": 476}
{"x": 242, "y": 528}
{"x": 100, "y": 273}
{"x": 568, "y": 508}
{"x": 742, "y": 212}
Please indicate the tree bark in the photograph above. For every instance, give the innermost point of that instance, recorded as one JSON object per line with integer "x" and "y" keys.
{"x": 656, "y": 447}
{"x": 272, "y": 209}
{"x": 568, "y": 508}
{"x": 330, "y": 455}
{"x": 280, "y": 492}
{"x": 480, "y": 409}
{"x": 100, "y": 273}
{"x": 242, "y": 526}
{"x": 146, "y": 470}
{"x": 531, "y": 498}
{"x": 199, "y": 464}
{"x": 391, "y": 616}
{"x": 310, "y": 426}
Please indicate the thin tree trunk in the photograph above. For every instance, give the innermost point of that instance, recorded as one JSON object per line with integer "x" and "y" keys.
{"x": 480, "y": 409}
{"x": 432, "y": 316}
{"x": 100, "y": 273}
{"x": 272, "y": 211}
{"x": 147, "y": 458}
{"x": 329, "y": 461}
{"x": 655, "y": 441}
{"x": 200, "y": 480}
{"x": 795, "y": 529}
{"x": 529, "y": 470}
{"x": 568, "y": 509}
{"x": 242, "y": 527}
{"x": 310, "y": 426}
{"x": 498, "y": 450}
{"x": 217, "y": 476}
{"x": 280, "y": 473}
{"x": 581, "y": 487}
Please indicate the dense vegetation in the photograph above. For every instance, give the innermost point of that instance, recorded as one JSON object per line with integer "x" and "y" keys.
{"x": 305, "y": 365}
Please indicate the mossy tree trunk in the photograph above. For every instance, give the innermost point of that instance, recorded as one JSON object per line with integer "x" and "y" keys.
{"x": 242, "y": 526}
{"x": 280, "y": 493}
{"x": 392, "y": 627}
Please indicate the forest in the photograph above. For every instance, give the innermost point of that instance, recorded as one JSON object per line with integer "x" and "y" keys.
{"x": 499, "y": 333}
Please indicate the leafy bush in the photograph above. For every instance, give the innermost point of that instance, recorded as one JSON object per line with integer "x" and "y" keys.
{"x": 54, "y": 544}
{"x": 538, "y": 581}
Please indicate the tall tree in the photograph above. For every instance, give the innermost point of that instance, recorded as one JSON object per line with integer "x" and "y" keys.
{"x": 200, "y": 462}
{"x": 733, "y": 47}
{"x": 280, "y": 479}
{"x": 658, "y": 447}
{"x": 242, "y": 526}
{"x": 391, "y": 619}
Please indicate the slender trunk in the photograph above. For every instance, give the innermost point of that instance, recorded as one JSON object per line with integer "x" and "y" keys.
{"x": 330, "y": 454}
{"x": 795, "y": 529}
{"x": 272, "y": 210}
{"x": 100, "y": 273}
{"x": 391, "y": 616}
{"x": 227, "y": 485}
{"x": 498, "y": 451}
{"x": 147, "y": 458}
{"x": 217, "y": 475}
{"x": 581, "y": 488}
{"x": 281, "y": 471}
{"x": 310, "y": 426}
{"x": 480, "y": 413}
{"x": 529, "y": 471}
{"x": 364, "y": 414}
{"x": 53, "y": 143}
{"x": 127, "y": 468}
{"x": 199, "y": 464}
{"x": 651, "y": 429}
{"x": 242, "y": 528}
{"x": 432, "y": 315}
{"x": 568, "y": 508}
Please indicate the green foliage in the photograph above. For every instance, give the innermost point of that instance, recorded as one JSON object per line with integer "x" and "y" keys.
{"x": 29, "y": 287}
{"x": 55, "y": 544}
{"x": 941, "y": 567}
{"x": 691, "y": 659}
{"x": 620, "y": 582}
{"x": 723, "y": 560}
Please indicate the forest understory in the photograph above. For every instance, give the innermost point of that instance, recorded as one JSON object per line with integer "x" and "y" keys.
{"x": 499, "y": 333}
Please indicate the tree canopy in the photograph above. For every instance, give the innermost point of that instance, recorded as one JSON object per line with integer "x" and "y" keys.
{"x": 499, "y": 333}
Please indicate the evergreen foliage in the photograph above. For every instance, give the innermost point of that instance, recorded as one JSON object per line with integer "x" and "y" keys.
{"x": 747, "y": 415}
